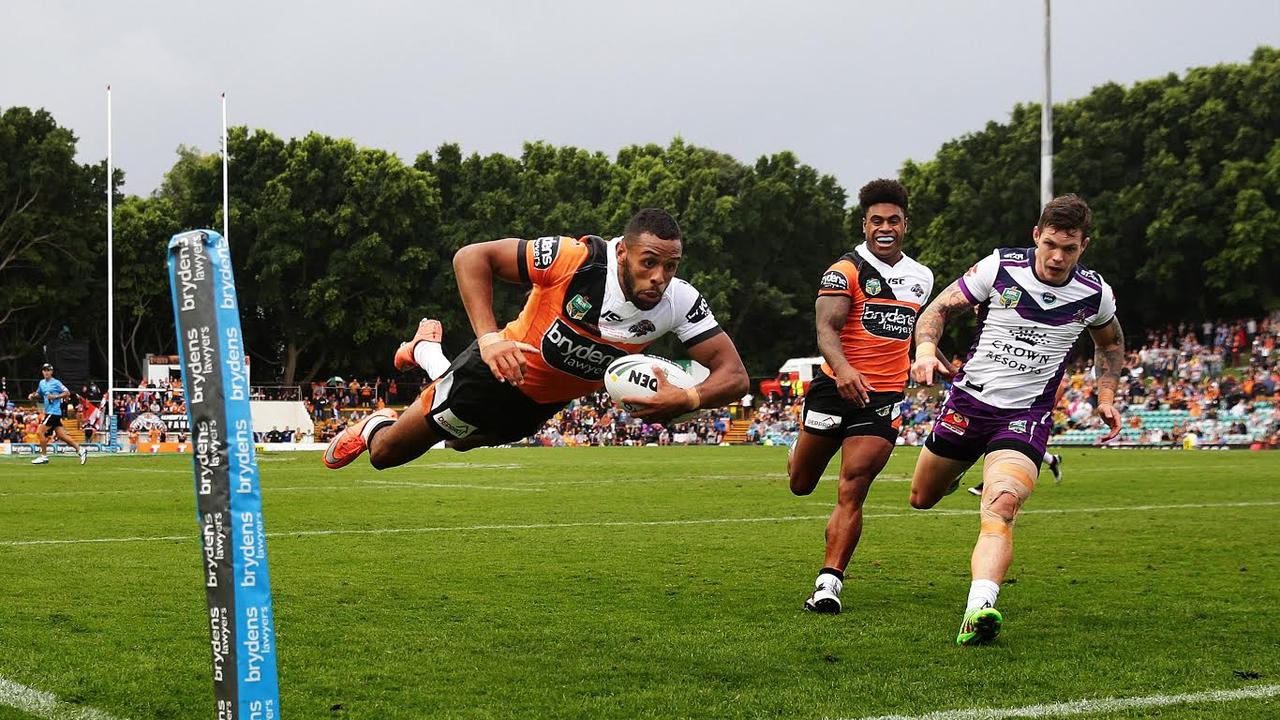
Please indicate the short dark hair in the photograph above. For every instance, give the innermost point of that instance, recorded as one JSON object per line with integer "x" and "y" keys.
{"x": 654, "y": 221}
{"x": 1067, "y": 212}
{"x": 883, "y": 191}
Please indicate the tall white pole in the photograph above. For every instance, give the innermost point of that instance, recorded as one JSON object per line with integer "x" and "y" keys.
{"x": 111, "y": 270}
{"x": 226, "y": 205}
{"x": 1046, "y": 123}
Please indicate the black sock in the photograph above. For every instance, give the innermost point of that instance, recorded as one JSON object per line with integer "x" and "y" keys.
{"x": 832, "y": 571}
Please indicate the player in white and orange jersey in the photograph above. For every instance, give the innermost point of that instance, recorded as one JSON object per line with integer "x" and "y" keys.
{"x": 866, "y": 311}
{"x": 592, "y": 301}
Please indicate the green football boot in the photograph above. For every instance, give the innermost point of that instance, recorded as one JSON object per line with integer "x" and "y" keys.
{"x": 980, "y": 626}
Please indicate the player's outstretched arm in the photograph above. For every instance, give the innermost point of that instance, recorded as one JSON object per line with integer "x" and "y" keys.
{"x": 475, "y": 267}
{"x": 728, "y": 380}
{"x": 1108, "y": 358}
{"x": 933, "y": 319}
{"x": 831, "y": 313}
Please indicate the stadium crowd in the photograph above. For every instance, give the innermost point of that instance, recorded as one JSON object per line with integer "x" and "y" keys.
{"x": 1211, "y": 384}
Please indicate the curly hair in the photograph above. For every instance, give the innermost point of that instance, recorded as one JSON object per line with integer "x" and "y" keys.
{"x": 883, "y": 191}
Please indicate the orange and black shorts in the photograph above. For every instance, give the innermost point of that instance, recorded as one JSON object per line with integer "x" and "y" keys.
{"x": 468, "y": 400}
{"x": 828, "y": 414}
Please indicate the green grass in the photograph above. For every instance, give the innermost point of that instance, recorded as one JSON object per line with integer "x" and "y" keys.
{"x": 627, "y": 620}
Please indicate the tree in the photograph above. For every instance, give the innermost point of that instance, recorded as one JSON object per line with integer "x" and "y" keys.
{"x": 46, "y": 212}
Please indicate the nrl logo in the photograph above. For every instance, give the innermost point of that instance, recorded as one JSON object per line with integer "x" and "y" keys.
{"x": 1010, "y": 297}
{"x": 872, "y": 287}
{"x": 1018, "y": 426}
{"x": 577, "y": 308}
{"x": 642, "y": 328}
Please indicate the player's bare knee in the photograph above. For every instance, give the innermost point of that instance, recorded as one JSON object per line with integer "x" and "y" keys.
{"x": 803, "y": 481}
{"x": 852, "y": 491}
{"x": 923, "y": 501}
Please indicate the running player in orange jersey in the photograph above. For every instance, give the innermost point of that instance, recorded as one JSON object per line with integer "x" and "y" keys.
{"x": 866, "y": 311}
{"x": 593, "y": 301}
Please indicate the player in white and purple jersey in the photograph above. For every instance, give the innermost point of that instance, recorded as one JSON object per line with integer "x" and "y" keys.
{"x": 1033, "y": 303}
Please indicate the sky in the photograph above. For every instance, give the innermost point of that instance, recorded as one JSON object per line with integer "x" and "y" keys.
{"x": 854, "y": 88}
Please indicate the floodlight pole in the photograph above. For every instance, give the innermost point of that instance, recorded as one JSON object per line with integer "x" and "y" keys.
{"x": 1046, "y": 122}
{"x": 111, "y": 275}
{"x": 226, "y": 205}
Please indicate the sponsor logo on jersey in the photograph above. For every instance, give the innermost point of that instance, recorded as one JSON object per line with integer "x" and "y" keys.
{"x": 452, "y": 424}
{"x": 610, "y": 316}
{"x": 954, "y": 421}
{"x": 545, "y": 250}
{"x": 1010, "y": 297}
{"x": 566, "y": 350}
{"x": 1029, "y": 336}
{"x": 642, "y": 328}
{"x": 834, "y": 280}
{"x": 872, "y": 287}
{"x": 699, "y": 312}
{"x": 821, "y": 421}
{"x": 1049, "y": 298}
{"x": 896, "y": 281}
{"x": 917, "y": 290}
{"x": 1013, "y": 254}
{"x": 888, "y": 321}
{"x": 1018, "y": 426}
{"x": 1089, "y": 274}
{"x": 577, "y": 308}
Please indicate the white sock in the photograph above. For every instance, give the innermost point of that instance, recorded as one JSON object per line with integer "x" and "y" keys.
{"x": 982, "y": 593}
{"x": 430, "y": 357}
{"x": 1048, "y": 456}
{"x": 373, "y": 424}
{"x": 831, "y": 581}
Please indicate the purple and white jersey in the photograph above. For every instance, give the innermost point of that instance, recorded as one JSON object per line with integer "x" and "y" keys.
{"x": 1026, "y": 327}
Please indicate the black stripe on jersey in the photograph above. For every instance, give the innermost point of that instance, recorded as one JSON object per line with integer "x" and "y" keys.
{"x": 867, "y": 273}
{"x": 589, "y": 282}
{"x": 522, "y": 262}
{"x": 703, "y": 336}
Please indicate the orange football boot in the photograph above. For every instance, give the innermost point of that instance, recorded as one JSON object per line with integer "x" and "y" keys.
{"x": 429, "y": 330}
{"x": 349, "y": 444}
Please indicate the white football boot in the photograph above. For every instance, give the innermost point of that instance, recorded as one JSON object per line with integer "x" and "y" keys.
{"x": 84, "y": 454}
{"x": 826, "y": 595}
{"x": 40, "y": 460}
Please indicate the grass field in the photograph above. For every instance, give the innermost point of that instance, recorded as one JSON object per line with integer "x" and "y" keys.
{"x": 645, "y": 583}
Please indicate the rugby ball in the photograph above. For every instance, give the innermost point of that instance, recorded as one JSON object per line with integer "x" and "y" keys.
{"x": 633, "y": 376}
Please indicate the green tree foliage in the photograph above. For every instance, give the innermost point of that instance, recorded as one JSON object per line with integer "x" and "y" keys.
{"x": 47, "y": 217}
{"x": 339, "y": 249}
{"x": 1183, "y": 175}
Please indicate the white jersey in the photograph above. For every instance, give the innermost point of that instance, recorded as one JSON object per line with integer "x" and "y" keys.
{"x": 682, "y": 310}
{"x": 1026, "y": 327}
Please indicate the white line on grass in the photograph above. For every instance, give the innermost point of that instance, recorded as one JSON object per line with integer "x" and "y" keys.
{"x": 645, "y": 523}
{"x": 406, "y": 483}
{"x": 1101, "y": 705}
{"x": 45, "y": 705}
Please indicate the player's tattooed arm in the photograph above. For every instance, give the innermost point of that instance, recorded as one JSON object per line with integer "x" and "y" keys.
{"x": 1108, "y": 359}
{"x": 932, "y": 320}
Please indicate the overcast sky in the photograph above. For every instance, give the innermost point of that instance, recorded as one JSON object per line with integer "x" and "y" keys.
{"x": 854, "y": 87}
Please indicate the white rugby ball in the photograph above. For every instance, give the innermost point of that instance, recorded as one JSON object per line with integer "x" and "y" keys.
{"x": 633, "y": 376}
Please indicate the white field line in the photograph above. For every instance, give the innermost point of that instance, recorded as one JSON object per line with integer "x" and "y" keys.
{"x": 407, "y": 483}
{"x": 45, "y": 705}
{"x": 643, "y": 523}
{"x": 363, "y": 485}
{"x": 1100, "y": 705}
